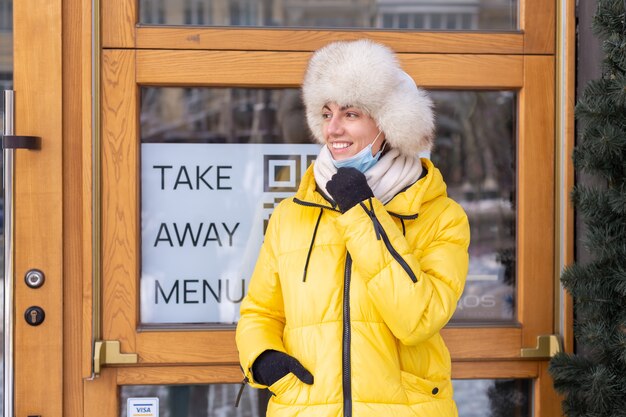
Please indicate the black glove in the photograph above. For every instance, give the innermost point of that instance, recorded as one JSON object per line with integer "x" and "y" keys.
{"x": 272, "y": 365}
{"x": 348, "y": 187}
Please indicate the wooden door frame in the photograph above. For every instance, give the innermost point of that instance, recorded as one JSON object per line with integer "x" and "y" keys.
{"x": 125, "y": 71}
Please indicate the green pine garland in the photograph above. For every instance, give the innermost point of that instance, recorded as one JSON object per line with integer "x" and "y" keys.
{"x": 594, "y": 383}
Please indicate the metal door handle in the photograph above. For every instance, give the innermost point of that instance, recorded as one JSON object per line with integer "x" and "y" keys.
{"x": 21, "y": 142}
{"x": 10, "y": 142}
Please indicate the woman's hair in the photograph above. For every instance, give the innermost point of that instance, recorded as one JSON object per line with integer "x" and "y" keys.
{"x": 367, "y": 75}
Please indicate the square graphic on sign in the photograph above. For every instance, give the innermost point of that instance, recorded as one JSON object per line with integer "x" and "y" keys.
{"x": 268, "y": 209}
{"x": 281, "y": 173}
{"x": 142, "y": 407}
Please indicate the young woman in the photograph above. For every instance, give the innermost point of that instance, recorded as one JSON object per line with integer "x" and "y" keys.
{"x": 361, "y": 269}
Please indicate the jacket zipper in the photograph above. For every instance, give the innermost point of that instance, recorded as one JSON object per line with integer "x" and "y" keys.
{"x": 346, "y": 366}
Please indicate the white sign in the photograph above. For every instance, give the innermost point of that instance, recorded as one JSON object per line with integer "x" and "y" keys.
{"x": 142, "y": 407}
{"x": 204, "y": 208}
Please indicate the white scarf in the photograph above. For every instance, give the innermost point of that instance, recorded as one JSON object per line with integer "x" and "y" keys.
{"x": 391, "y": 174}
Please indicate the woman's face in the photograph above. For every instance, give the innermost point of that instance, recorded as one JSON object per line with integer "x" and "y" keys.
{"x": 347, "y": 130}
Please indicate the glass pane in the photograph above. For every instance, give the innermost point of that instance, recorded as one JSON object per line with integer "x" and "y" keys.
{"x": 215, "y": 161}
{"x": 198, "y": 400}
{"x": 497, "y": 15}
{"x": 475, "y": 149}
{"x": 474, "y": 398}
{"x": 493, "y": 397}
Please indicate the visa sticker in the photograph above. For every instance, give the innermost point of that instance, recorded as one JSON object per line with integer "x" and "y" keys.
{"x": 143, "y": 407}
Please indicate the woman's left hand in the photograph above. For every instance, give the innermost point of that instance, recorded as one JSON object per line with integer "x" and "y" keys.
{"x": 348, "y": 187}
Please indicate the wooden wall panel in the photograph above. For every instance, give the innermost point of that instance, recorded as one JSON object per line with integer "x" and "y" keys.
{"x": 483, "y": 343}
{"x": 120, "y": 229}
{"x": 536, "y": 213}
{"x": 118, "y": 18}
{"x": 165, "y": 348}
{"x": 101, "y": 397}
{"x": 166, "y": 375}
{"x": 547, "y": 403}
{"x": 74, "y": 116}
{"x": 502, "y": 369}
{"x": 538, "y": 23}
{"x": 566, "y": 85}
{"x": 163, "y": 37}
{"x": 87, "y": 161}
{"x": 276, "y": 69}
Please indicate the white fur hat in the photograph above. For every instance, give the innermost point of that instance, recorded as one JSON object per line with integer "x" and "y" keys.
{"x": 367, "y": 75}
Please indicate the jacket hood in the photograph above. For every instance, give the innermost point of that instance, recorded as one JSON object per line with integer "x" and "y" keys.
{"x": 405, "y": 204}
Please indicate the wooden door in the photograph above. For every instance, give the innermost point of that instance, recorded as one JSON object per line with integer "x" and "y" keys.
{"x": 38, "y": 209}
{"x": 136, "y": 58}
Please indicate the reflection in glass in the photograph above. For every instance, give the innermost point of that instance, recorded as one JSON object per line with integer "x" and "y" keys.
{"x": 222, "y": 115}
{"x": 199, "y": 400}
{"x": 475, "y": 150}
{"x": 474, "y": 398}
{"x": 428, "y": 15}
{"x": 493, "y": 397}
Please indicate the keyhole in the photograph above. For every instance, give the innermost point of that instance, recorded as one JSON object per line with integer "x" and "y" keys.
{"x": 34, "y": 315}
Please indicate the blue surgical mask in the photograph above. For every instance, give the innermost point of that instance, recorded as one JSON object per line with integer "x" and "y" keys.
{"x": 363, "y": 160}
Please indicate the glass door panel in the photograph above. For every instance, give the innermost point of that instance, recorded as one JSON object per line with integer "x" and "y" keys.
{"x": 201, "y": 267}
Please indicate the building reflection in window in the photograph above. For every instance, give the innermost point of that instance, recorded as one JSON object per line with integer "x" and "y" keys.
{"x": 476, "y": 153}
{"x": 464, "y": 15}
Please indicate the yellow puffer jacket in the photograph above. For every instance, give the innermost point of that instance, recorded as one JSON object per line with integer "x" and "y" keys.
{"x": 359, "y": 299}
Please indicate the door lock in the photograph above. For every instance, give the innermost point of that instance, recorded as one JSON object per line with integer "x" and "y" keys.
{"x": 34, "y": 315}
{"x": 34, "y": 278}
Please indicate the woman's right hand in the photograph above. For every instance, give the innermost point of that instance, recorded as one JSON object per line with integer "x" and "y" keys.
{"x": 272, "y": 365}
{"x": 348, "y": 187}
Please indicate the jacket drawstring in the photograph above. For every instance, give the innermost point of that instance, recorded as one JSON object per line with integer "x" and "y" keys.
{"x": 402, "y": 219}
{"x": 243, "y": 385}
{"x": 308, "y": 256}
